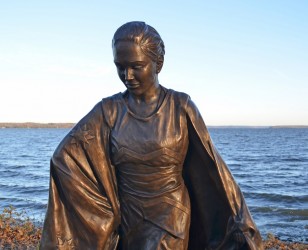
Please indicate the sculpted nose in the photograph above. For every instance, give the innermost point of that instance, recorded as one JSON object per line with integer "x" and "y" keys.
{"x": 128, "y": 74}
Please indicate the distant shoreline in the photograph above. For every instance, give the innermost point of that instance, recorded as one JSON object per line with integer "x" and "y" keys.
{"x": 70, "y": 125}
{"x": 265, "y": 127}
{"x": 35, "y": 125}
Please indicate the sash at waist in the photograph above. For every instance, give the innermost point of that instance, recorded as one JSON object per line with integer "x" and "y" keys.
{"x": 148, "y": 181}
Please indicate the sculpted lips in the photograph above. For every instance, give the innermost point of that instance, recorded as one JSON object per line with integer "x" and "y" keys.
{"x": 132, "y": 85}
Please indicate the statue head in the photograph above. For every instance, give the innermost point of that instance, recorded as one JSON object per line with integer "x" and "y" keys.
{"x": 146, "y": 37}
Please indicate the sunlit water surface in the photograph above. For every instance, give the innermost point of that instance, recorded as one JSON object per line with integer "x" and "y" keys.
{"x": 270, "y": 165}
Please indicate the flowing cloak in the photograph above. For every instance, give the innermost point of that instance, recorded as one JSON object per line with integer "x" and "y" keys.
{"x": 84, "y": 210}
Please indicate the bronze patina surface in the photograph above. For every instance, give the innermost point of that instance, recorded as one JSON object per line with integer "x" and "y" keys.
{"x": 140, "y": 171}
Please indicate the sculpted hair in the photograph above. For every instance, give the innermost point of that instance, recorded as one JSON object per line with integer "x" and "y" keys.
{"x": 146, "y": 37}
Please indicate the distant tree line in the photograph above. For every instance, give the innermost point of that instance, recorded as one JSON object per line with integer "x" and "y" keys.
{"x": 35, "y": 125}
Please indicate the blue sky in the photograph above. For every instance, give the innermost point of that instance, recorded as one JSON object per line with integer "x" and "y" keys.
{"x": 242, "y": 62}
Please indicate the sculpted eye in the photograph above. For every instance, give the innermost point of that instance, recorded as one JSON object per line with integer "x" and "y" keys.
{"x": 138, "y": 67}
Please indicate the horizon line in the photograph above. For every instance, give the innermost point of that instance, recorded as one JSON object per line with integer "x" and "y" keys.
{"x": 71, "y": 124}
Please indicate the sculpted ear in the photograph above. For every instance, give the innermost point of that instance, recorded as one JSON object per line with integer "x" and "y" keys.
{"x": 159, "y": 64}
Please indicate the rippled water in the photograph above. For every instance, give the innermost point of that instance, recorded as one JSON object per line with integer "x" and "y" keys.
{"x": 270, "y": 165}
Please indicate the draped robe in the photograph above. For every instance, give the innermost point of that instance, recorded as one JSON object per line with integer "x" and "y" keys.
{"x": 84, "y": 209}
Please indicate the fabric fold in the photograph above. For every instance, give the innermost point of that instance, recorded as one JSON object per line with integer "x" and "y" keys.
{"x": 84, "y": 210}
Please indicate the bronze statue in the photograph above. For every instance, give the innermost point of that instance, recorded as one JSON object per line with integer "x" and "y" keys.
{"x": 140, "y": 170}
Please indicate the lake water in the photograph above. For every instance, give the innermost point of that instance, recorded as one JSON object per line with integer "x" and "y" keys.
{"x": 270, "y": 165}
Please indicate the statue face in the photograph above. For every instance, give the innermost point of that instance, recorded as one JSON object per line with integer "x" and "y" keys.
{"x": 136, "y": 70}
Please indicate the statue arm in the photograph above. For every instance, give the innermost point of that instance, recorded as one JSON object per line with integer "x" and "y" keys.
{"x": 219, "y": 210}
{"x": 83, "y": 208}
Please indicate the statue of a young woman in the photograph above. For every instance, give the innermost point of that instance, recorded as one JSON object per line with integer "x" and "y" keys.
{"x": 140, "y": 170}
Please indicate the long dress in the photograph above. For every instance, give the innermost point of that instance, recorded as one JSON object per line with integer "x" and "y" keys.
{"x": 148, "y": 154}
{"x": 119, "y": 181}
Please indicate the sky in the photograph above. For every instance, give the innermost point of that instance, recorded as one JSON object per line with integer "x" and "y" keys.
{"x": 242, "y": 62}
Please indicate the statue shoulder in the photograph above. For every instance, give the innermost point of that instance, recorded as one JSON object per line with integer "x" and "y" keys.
{"x": 109, "y": 108}
{"x": 110, "y": 101}
{"x": 180, "y": 98}
{"x": 186, "y": 103}
{"x": 102, "y": 115}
